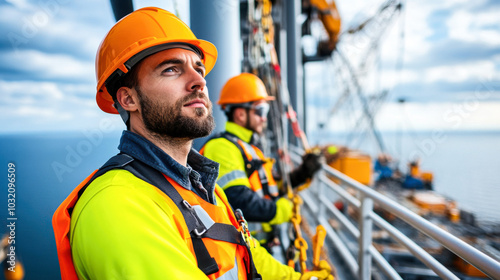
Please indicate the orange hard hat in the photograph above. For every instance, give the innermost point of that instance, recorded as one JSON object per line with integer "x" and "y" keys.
{"x": 244, "y": 88}
{"x": 136, "y": 36}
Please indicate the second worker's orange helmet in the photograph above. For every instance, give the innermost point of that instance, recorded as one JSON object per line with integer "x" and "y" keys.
{"x": 244, "y": 88}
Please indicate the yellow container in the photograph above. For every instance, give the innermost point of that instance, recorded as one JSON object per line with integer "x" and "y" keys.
{"x": 335, "y": 165}
{"x": 427, "y": 177}
{"x": 454, "y": 215}
{"x": 355, "y": 165}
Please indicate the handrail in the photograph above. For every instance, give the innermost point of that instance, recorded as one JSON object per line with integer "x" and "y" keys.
{"x": 421, "y": 254}
{"x": 470, "y": 254}
{"x": 475, "y": 257}
{"x": 416, "y": 250}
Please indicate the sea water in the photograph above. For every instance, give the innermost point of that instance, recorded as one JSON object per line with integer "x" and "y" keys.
{"x": 466, "y": 167}
{"x": 47, "y": 168}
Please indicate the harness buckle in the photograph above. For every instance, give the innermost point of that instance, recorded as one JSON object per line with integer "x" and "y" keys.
{"x": 188, "y": 206}
{"x": 199, "y": 234}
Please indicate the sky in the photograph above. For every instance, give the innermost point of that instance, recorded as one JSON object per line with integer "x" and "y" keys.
{"x": 450, "y": 75}
{"x": 47, "y": 74}
{"x": 441, "y": 57}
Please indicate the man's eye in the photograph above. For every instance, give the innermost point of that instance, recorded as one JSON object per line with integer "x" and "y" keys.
{"x": 201, "y": 71}
{"x": 169, "y": 70}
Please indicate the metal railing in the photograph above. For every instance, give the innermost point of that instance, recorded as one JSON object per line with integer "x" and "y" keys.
{"x": 317, "y": 203}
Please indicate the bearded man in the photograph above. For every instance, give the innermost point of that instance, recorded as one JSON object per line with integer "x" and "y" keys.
{"x": 154, "y": 211}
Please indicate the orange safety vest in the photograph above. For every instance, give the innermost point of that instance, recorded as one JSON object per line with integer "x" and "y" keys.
{"x": 257, "y": 166}
{"x": 206, "y": 245}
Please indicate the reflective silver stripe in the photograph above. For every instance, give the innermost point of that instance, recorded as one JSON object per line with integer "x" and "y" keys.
{"x": 262, "y": 175}
{"x": 273, "y": 189}
{"x": 207, "y": 221}
{"x": 204, "y": 217}
{"x": 228, "y": 177}
{"x": 231, "y": 274}
{"x": 250, "y": 149}
{"x": 259, "y": 192}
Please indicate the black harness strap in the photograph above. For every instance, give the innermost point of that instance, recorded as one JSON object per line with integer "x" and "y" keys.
{"x": 118, "y": 161}
{"x": 224, "y": 232}
{"x": 250, "y": 165}
{"x": 206, "y": 263}
{"x": 196, "y": 228}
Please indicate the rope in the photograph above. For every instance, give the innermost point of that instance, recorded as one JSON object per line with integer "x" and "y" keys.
{"x": 263, "y": 61}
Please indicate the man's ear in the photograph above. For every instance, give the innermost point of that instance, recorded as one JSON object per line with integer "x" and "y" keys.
{"x": 239, "y": 115}
{"x": 127, "y": 99}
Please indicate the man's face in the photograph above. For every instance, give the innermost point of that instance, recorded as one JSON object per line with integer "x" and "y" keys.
{"x": 173, "y": 96}
{"x": 256, "y": 121}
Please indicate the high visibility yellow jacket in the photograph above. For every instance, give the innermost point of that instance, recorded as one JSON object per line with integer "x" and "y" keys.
{"x": 125, "y": 228}
{"x": 245, "y": 191}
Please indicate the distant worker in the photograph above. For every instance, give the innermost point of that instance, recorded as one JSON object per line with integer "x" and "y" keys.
{"x": 154, "y": 211}
{"x": 383, "y": 169}
{"x": 415, "y": 179}
{"x": 245, "y": 173}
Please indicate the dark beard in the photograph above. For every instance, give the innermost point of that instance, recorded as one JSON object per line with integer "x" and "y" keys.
{"x": 167, "y": 121}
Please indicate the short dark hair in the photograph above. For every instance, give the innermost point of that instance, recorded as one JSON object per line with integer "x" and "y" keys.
{"x": 230, "y": 113}
{"x": 130, "y": 80}
{"x": 232, "y": 108}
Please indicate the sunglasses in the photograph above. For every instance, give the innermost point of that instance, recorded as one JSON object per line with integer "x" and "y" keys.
{"x": 261, "y": 110}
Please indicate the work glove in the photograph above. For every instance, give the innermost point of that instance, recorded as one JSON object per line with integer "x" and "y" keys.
{"x": 311, "y": 163}
{"x": 284, "y": 209}
{"x": 324, "y": 272}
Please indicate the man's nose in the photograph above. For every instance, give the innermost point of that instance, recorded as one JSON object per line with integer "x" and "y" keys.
{"x": 197, "y": 81}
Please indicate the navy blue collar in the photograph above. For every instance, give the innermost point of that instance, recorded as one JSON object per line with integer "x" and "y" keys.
{"x": 199, "y": 168}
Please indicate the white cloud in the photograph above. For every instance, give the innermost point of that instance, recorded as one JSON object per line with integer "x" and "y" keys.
{"x": 471, "y": 114}
{"x": 28, "y": 92}
{"x": 32, "y": 105}
{"x": 417, "y": 28}
{"x": 33, "y": 111}
{"x": 476, "y": 27}
{"x": 475, "y": 70}
{"x": 67, "y": 26}
{"x": 20, "y": 4}
{"x": 85, "y": 37}
{"x": 414, "y": 16}
{"x": 49, "y": 66}
{"x": 461, "y": 24}
{"x": 391, "y": 78}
